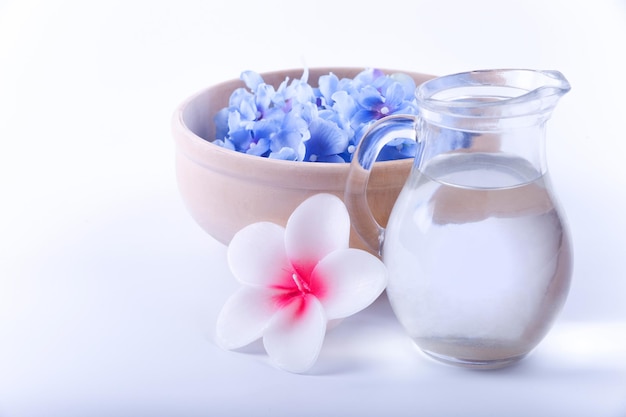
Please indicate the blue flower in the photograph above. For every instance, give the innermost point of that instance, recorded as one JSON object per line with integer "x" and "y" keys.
{"x": 324, "y": 124}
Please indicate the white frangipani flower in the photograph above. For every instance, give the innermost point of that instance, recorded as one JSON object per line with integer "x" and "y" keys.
{"x": 296, "y": 279}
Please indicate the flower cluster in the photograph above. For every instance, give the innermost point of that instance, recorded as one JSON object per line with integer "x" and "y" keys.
{"x": 298, "y": 122}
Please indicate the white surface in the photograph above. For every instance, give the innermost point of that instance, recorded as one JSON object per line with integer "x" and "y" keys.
{"x": 109, "y": 291}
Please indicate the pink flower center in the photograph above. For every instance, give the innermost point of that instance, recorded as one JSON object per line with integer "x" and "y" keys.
{"x": 297, "y": 286}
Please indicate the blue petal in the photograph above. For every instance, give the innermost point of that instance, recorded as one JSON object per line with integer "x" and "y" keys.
{"x": 247, "y": 108}
{"x": 326, "y": 139}
{"x": 394, "y": 95}
{"x": 241, "y": 139}
{"x": 251, "y": 79}
{"x": 328, "y": 86}
{"x": 225, "y": 143}
{"x": 364, "y": 116}
{"x": 286, "y": 139}
{"x": 221, "y": 123}
{"x": 295, "y": 122}
{"x": 264, "y": 97}
{"x": 260, "y": 148}
{"x": 344, "y": 104}
{"x": 398, "y": 149}
{"x": 234, "y": 121}
{"x": 370, "y": 97}
{"x": 367, "y": 77}
{"x": 265, "y": 129}
{"x": 303, "y": 112}
{"x": 304, "y": 93}
{"x": 286, "y": 154}
{"x": 238, "y": 96}
{"x": 408, "y": 84}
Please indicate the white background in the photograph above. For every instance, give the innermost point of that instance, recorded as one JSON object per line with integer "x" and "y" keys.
{"x": 108, "y": 289}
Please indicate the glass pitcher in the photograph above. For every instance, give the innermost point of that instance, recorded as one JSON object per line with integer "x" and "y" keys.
{"x": 477, "y": 248}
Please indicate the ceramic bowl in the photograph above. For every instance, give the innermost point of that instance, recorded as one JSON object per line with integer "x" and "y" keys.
{"x": 225, "y": 190}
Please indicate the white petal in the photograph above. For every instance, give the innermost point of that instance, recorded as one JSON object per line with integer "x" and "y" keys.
{"x": 317, "y": 227}
{"x": 351, "y": 279}
{"x": 244, "y": 317}
{"x": 294, "y": 338}
{"x": 256, "y": 254}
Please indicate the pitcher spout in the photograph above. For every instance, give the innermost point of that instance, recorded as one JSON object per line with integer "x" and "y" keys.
{"x": 557, "y": 81}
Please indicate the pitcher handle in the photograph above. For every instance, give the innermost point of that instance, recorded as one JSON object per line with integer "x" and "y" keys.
{"x": 379, "y": 134}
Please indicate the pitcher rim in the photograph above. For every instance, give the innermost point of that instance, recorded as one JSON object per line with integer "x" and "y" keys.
{"x": 536, "y": 91}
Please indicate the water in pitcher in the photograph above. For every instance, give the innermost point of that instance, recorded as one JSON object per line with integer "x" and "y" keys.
{"x": 478, "y": 258}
